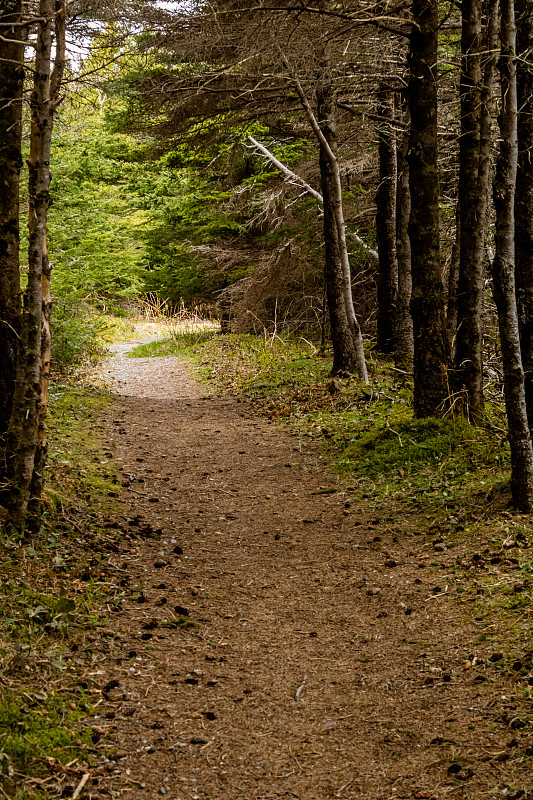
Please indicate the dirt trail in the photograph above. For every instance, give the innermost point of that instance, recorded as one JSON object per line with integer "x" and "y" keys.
{"x": 324, "y": 662}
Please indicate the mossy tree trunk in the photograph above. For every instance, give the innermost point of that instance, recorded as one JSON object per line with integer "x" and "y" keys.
{"x": 524, "y": 193}
{"x": 11, "y": 83}
{"x": 427, "y": 301}
{"x": 504, "y": 270}
{"x": 26, "y": 441}
{"x": 386, "y": 222}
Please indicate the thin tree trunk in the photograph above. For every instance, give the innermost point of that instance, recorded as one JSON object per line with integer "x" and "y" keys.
{"x": 11, "y": 88}
{"x": 403, "y": 324}
{"x": 386, "y": 223}
{"x": 503, "y": 266}
{"x": 453, "y": 282}
{"x": 345, "y": 355}
{"x": 326, "y": 134}
{"x": 33, "y": 517}
{"x": 327, "y": 138}
{"x": 471, "y": 229}
{"x": 524, "y": 193}
{"x": 474, "y": 174}
{"x": 427, "y": 302}
{"x": 26, "y": 429}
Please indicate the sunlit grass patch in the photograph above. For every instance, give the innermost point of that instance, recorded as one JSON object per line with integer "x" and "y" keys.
{"x": 78, "y": 466}
{"x": 182, "y": 336}
{"x": 260, "y": 364}
{"x": 161, "y": 347}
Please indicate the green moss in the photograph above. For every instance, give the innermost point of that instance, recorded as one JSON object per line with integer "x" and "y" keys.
{"x": 407, "y": 446}
{"x": 36, "y": 727}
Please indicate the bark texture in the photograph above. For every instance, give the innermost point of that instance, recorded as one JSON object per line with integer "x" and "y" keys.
{"x": 386, "y": 223}
{"x": 468, "y": 350}
{"x": 33, "y": 517}
{"x": 427, "y": 301}
{"x": 504, "y": 276}
{"x": 476, "y": 84}
{"x": 11, "y": 86}
{"x": 403, "y": 325}
{"x": 524, "y": 193}
{"x": 453, "y": 282}
{"x": 26, "y": 440}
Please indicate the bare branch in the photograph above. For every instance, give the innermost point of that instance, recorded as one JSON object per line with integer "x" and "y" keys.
{"x": 286, "y": 171}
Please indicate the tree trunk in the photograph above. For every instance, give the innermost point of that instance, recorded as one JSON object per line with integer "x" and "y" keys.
{"x": 427, "y": 302}
{"x": 468, "y": 377}
{"x": 474, "y": 180}
{"x": 503, "y": 266}
{"x": 33, "y": 518}
{"x": 524, "y": 193}
{"x": 386, "y": 223}
{"x": 403, "y": 324}
{"x": 11, "y": 83}
{"x": 453, "y": 282}
{"x": 325, "y": 131}
{"x": 345, "y": 354}
{"x": 333, "y": 199}
{"x": 26, "y": 428}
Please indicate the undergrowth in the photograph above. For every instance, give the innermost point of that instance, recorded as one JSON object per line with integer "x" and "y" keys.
{"x": 51, "y": 599}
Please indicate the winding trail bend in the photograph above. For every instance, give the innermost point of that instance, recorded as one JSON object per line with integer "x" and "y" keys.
{"x": 287, "y": 651}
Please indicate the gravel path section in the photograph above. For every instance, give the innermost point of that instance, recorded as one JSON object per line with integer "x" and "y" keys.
{"x": 278, "y": 648}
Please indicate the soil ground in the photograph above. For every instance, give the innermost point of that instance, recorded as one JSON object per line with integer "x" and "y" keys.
{"x": 279, "y": 648}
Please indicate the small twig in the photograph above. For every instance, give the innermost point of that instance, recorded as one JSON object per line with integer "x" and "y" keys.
{"x": 79, "y": 788}
{"x": 300, "y": 689}
{"x": 344, "y": 787}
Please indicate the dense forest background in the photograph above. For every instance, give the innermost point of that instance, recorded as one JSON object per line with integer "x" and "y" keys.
{"x": 348, "y": 173}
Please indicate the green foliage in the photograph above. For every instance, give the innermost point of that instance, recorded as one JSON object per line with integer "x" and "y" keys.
{"x": 130, "y": 219}
{"x": 34, "y": 610}
{"x": 95, "y": 225}
{"x": 77, "y": 331}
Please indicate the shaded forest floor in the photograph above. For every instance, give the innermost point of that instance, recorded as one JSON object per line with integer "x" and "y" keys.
{"x": 269, "y": 632}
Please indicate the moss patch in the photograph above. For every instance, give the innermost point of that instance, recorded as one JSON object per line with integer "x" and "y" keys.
{"x": 37, "y": 727}
{"x": 407, "y": 446}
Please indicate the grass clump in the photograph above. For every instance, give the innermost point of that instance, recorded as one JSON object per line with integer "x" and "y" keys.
{"x": 182, "y": 339}
{"x": 78, "y": 336}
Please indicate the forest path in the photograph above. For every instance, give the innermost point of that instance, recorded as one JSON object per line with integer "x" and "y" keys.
{"x": 278, "y": 649}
